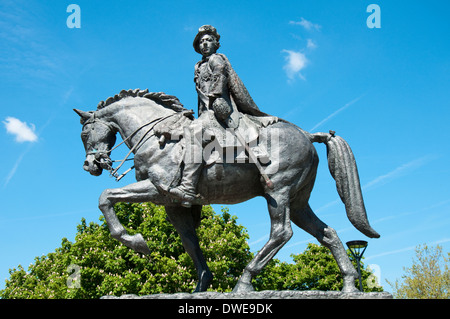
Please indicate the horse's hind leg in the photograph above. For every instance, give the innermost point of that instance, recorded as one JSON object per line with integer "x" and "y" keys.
{"x": 280, "y": 233}
{"x": 139, "y": 192}
{"x": 185, "y": 220}
{"x": 327, "y": 236}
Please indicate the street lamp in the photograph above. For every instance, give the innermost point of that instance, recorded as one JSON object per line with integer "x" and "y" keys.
{"x": 357, "y": 248}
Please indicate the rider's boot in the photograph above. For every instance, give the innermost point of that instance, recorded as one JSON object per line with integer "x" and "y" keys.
{"x": 186, "y": 191}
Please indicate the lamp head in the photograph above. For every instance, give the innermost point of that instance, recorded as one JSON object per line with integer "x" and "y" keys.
{"x": 357, "y": 247}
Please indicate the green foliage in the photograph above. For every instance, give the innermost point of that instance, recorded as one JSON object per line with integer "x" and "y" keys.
{"x": 106, "y": 267}
{"x": 95, "y": 264}
{"x": 427, "y": 278}
{"x": 314, "y": 269}
{"x": 224, "y": 245}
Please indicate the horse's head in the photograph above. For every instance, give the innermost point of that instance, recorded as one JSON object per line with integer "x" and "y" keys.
{"x": 98, "y": 138}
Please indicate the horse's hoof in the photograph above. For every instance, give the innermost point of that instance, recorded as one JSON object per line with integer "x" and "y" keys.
{"x": 204, "y": 281}
{"x": 350, "y": 289}
{"x": 139, "y": 244}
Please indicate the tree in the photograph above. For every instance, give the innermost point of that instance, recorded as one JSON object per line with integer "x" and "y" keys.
{"x": 96, "y": 264}
{"x": 99, "y": 265}
{"x": 427, "y": 278}
{"x": 314, "y": 269}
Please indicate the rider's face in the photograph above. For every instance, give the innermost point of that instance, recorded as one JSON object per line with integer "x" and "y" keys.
{"x": 208, "y": 45}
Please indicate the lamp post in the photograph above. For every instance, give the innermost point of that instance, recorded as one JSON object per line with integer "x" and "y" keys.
{"x": 357, "y": 248}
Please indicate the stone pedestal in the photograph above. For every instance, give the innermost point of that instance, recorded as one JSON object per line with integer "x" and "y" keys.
{"x": 266, "y": 294}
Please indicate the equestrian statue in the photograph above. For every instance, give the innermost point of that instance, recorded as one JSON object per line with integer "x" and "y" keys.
{"x": 231, "y": 153}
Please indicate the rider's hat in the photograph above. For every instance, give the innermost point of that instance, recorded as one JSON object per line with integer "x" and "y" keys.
{"x": 205, "y": 29}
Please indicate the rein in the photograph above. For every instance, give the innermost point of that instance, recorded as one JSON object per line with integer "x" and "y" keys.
{"x": 99, "y": 154}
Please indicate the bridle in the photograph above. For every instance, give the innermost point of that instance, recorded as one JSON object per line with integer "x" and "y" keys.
{"x": 104, "y": 154}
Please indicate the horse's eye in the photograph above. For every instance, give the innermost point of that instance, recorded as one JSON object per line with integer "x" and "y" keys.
{"x": 84, "y": 136}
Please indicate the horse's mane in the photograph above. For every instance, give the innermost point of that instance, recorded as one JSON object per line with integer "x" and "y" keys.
{"x": 162, "y": 98}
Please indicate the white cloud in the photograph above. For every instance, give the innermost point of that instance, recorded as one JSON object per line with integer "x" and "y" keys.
{"x": 329, "y": 117}
{"x": 14, "y": 169}
{"x": 295, "y": 62}
{"x": 21, "y": 130}
{"x": 437, "y": 242}
{"x": 308, "y": 25}
{"x": 399, "y": 171}
{"x": 310, "y": 44}
{"x": 265, "y": 237}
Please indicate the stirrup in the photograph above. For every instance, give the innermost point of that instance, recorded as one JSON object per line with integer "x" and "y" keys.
{"x": 186, "y": 197}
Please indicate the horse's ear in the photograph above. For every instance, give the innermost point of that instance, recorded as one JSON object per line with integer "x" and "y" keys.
{"x": 83, "y": 115}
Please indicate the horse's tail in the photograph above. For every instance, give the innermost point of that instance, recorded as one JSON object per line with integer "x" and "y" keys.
{"x": 342, "y": 165}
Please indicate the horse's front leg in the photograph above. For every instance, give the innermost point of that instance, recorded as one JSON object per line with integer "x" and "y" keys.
{"x": 139, "y": 192}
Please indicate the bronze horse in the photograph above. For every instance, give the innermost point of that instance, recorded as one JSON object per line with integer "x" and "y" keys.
{"x": 136, "y": 116}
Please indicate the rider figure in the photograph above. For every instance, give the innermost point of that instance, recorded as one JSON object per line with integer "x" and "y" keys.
{"x": 223, "y": 103}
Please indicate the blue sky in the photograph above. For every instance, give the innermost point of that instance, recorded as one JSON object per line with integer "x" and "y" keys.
{"x": 315, "y": 63}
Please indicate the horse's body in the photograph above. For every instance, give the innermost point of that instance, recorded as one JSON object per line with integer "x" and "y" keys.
{"x": 292, "y": 169}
